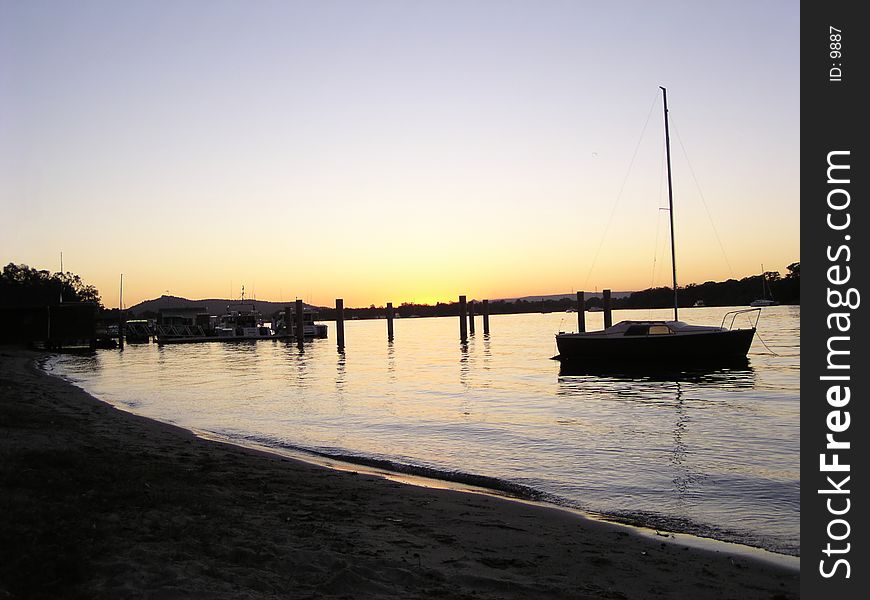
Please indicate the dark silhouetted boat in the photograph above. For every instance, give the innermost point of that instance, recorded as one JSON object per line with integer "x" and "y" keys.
{"x": 187, "y": 325}
{"x": 138, "y": 331}
{"x": 310, "y": 329}
{"x": 674, "y": 342}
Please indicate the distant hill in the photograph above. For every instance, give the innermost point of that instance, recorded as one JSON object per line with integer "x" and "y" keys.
{"x": 218, "y": 306}
{"x": 214, "y": 306}
{"x": 572, "y": 296}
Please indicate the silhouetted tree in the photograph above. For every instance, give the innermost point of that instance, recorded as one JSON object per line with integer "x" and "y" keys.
{"x": 21, "y": 285}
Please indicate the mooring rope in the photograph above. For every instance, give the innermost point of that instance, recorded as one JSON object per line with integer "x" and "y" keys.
{"x": 763, "y": 343}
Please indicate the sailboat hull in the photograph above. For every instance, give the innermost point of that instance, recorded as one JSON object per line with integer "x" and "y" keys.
{"x": 705, "y": 347}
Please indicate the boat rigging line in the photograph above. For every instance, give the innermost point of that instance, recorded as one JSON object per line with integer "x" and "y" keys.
{"x": 656, "y": 253}
{"x": 704, "y": 201}
{"x": 619, "y": 195}
{"x": 652, "y": 282}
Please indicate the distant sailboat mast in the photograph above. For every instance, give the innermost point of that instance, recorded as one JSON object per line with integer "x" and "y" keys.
{"x": 670, "y": 197}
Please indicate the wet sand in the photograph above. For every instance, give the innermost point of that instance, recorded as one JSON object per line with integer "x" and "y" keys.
{"x": 98, "y": 503}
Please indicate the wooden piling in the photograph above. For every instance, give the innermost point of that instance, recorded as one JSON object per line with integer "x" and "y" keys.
{"x": 121, "y": 314}
{"x": 390, "y": 314}
{"x": 93, "y": 328}
{"x": 471, "y": 317}
{"x": 300, "y": 322}
{"x": 339, "y": 322}
{"x": 463, "y": 323}
{"x": 608, "y": 313}
{"x": 581, "y": 312}
{"x": 485, "y": 311}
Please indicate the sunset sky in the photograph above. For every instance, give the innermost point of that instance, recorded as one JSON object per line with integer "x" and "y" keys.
{"x": 396, "y": 150}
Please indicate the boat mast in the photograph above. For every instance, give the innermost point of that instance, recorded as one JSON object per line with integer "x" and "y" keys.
{"x": 670, "y": 197}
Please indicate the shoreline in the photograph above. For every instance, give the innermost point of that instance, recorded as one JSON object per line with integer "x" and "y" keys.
{"x": 788, "y": 561}
{"x": 460, "y": 481}
{"x": 100, "y": 502}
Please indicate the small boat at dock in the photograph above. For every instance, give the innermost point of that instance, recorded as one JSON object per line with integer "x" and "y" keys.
{"x": 240, "y": 322}
{"x": 188, "y": 325}
{"x": 138, "y": 331}
{"x": 310, "y": 329}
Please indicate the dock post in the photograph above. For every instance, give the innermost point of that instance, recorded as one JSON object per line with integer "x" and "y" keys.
{"x": 463, "y": 324}
{"x": 389, "y": 321}
{"x": 581, "y": 312}
{"x": 608, "y": 313}
{"x": 339, "y": 322}
{"x": 471, "y": 318}
{"x": 485, "y": 310}
{"x": 300, "y": 323}
{"x": 121, "y": 315}
{"x": 93, "y": 344}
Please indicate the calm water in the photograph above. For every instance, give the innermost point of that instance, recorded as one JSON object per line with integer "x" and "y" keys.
{"x": 713, "y": 453}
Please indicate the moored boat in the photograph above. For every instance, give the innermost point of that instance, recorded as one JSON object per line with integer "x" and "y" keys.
{"x": 241, "y": 321}
{"x": 654, "y": 342}
{"x": 138, "y": 331}
{"x": 310, "y": 328}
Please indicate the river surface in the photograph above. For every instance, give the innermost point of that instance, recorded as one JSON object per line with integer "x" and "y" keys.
{"x": 712, "y": 453}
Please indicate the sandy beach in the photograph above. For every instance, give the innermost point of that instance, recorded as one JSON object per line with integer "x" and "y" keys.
{"x": 96, "y": 502}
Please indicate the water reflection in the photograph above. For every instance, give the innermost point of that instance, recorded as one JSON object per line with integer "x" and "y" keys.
{"x": 239, "y": 357}
{"x": 738, "y": 374}
{"x": 391, "y": 361}
{"x": 301, "y": 361}
{"x": 340, "y": 372}
{"x": 465, "y": 350}
{"x": 665, "y": 403}
{"x": 684, "y": 477}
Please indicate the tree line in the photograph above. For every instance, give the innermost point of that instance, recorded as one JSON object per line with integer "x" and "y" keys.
{"x": 733, "y": 292}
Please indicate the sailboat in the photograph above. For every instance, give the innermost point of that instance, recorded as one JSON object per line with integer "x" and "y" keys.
{"x": 657, "y": 341}
{"x": 764, "y": 300}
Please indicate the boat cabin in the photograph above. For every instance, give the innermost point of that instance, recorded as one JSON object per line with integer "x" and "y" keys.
{"x": 648, "y": 329}
{"x": 184, "y": 316}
